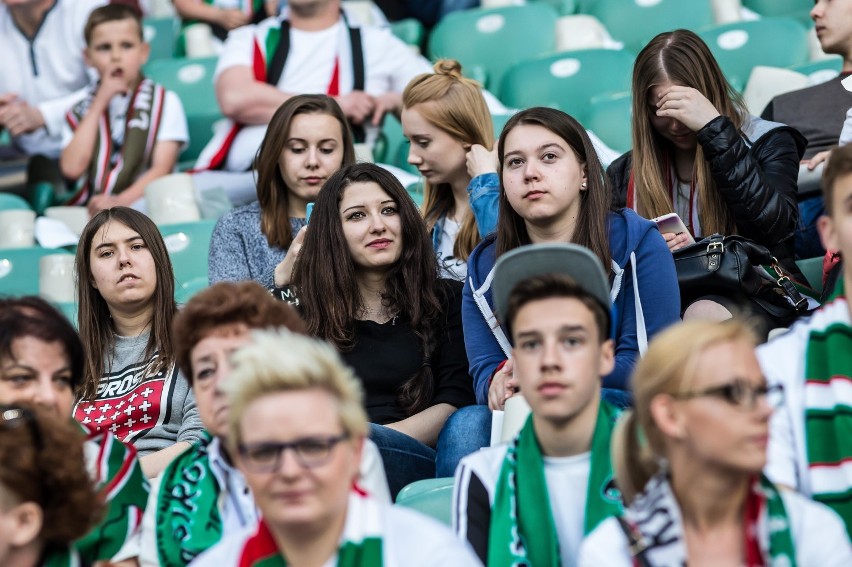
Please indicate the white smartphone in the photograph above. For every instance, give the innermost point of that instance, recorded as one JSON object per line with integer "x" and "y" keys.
{"x": 672, "y": 223}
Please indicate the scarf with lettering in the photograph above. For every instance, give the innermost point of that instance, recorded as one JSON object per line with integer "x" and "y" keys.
{"x": 360, "y": 546}
{"x": 144, "y": 112}
{"x": 828, "y": 412}
{"x": 188, "y": 518}
{"x": 522, "y": 531}
{"x": 655, "y": 516}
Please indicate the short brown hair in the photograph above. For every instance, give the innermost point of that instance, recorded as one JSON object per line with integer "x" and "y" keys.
{"x": 225, "y": 304}
{"x": 42, "y": 461}
{"x": 839, "y": 165}
{"x": 111, "y": 13}
{"x": 549, "y": 286}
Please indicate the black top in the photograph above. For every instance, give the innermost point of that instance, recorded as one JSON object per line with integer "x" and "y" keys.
{"x": 386, "y": 355}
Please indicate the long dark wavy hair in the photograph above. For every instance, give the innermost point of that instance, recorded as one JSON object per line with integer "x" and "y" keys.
{"x": 591, "y": 229}
{"x": 328, "y": 290}
{"x": 93, "y": 314}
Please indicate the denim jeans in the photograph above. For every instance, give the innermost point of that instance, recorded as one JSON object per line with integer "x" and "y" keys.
{"x": 465, "y": 432}
{"x": 807, "y": 243}
{"x": 405, "y": 458}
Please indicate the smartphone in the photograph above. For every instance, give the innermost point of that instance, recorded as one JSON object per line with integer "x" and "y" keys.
{"x": 672, "y": 223}
{"x": 308, "y": 210}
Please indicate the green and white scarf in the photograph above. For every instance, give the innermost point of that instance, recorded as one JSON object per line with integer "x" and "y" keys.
{"x": 144, "y": 112}
{"x": 188, "y": 518}
{"x": 66, "y": 557}
{"x": 361, "y": 545}
{"x": 522, "y": 531}
{"x": 828, "y": 412}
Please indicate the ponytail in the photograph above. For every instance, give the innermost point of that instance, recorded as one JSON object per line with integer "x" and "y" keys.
{"x": 633, "y": 461}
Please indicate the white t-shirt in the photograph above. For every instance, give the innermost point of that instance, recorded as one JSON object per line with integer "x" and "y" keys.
{"x": 819, "y": 537}
{"x": 49, "y": 72}
{"x": 451, "y": 267}
{"x": 567, "y": 483}
{"x": 389, "y": 65}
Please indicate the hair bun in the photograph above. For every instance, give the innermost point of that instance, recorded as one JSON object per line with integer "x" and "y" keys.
{"x": 449, "y": 67}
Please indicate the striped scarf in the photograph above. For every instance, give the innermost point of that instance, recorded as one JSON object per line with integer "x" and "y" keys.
{"x": 361, "y": 544}
{"x": 522, "y": 531}
{"x": 144, "y": 112}
{"x": 828, "y": 414}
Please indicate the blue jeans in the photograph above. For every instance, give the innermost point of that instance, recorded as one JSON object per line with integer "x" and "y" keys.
{"x": 807, "y": 242}
{"x": 405, "y": 458}
{"x": 465, "y": 432}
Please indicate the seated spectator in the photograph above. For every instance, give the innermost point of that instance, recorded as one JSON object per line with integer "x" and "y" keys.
{"x": 366, "y": 281}
{"x": 42, "y": 72}
{"x": 125, "y": 298}
{"x": 688, "y": 461}
{"x": 127, "y": 131}
{"x": 316, "y": 49}
{"x": 297, "y": 427}
{"x": 41, "y": 364}
{"x": 46, "y": 497}
{"x": 698, "y": 153}
{"x": 308, "y": 140}
{"x": 451, "y": 137}
{"x": 553, "y": 189}
{"x": 224, "y": 15}
{"x": 211, "y": 327}
{"x": 809, "y": 447}
{"x": 557, "y": 306}
{"x": 817, "y": 112}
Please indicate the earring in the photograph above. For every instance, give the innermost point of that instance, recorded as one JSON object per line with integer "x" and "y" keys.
{"x": 582, "y": 186}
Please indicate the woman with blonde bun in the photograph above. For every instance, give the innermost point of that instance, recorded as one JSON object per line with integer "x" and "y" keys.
{"x": 448, "y": 124}
{"x": 688, "y": 461}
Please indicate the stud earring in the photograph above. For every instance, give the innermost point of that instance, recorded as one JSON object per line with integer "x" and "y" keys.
{"x": 582, "y": 185}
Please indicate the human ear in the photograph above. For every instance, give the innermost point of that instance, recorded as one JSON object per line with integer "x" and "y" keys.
{"x": 667, "y": 416}
{"x": 27, "y": 521}
{"x": 827, "y": 234}
{"x": 607, "y": 362}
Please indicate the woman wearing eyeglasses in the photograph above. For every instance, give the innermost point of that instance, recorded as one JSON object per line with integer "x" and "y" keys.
{"x": 688, "y": 461}
{"x": 46, "y": 498}
{"x": 297, "y": 427}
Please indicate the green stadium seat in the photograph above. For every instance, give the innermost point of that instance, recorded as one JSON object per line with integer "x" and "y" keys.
{"x": 70, "y": 312}
{"x": 811, "y": 268}
{"x": 488, "y": 42}
{"x": 11, "y": 202}
{"x": 161, "y": 35}
{"x": 184, "y": 292}
{"x": 821, "y": 70}
{"x": 192, "y": 81}
{"x": 19, "y": 268}
{"x": 609, "y": 117}
{"x": 562, "y": 7}
{"x": 773, "y": 42}
{"x": 410, "y": 31}
{"x": 568, "y": 80}
{"x": 432, "y": 497}
{"x": 188, "y": 245}
{"x": 636, "y": 23}
{"x": 798, "y": 9}
{"x": 415, "y": 190}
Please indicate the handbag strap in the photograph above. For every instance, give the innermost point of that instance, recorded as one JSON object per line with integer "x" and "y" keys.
{"x": 635, "y": 542}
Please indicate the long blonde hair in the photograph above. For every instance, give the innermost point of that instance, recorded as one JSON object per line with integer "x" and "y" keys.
{"x": 680, "y": 57}
{"x": 638, "y": 445}
{"x": 459, "y": 109}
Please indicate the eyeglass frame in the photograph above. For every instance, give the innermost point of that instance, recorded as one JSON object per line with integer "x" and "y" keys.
{"x": 332, "y": 441}
{"x": 726, "y": 393}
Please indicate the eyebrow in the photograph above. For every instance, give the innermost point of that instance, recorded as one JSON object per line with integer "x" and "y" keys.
{"x": 107, "y": 244}
{"x": 304, "y": 141}
{"x": 362, "y": 206}
{"x": 14, "y": 365}
{"x": 538, "y": 149}
{"x": 562, "y": 329}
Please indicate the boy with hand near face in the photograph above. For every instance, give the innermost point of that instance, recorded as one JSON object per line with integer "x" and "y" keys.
{"x": 533, "y": 500}
{"x": 127, "y": 131}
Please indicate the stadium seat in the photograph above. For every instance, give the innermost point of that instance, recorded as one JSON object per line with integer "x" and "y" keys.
{"x": 488, "y": 42}
{"x": 415, "y": 190}
{"x": 185, "y": 291}
{"x": 636, "y": 22}
{"x": 410, "y": 31}
{"x": 580, "y": 31}
{"x": 765, "y": 83}
{"x": 811, "y": 268}
{"x": 609, "y": 117}
{"x": 773, "y": 42}
{"x": 161, "y": 35}
{"x": 567, "y": 81}
{"x": 562, "y": 7}
{"x": 11, "y": 202}
{"x": 821, "y": 70}
{"x": 192, "y": 81}
{"x": 433, "y": 497}
{"x": 70, "y": 312}
{"x": 188, "y": 245}
{"x": 798, "y": 9}
{"x": 19, "y": 268}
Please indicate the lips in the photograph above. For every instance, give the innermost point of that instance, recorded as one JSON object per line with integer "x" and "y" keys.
{"x": 380, "y": 243}
{"x": 125, "y": 277}
{"x": 551, "y": 388}
{"x": 534, "y": 194}
{"x": 313, "y": 180}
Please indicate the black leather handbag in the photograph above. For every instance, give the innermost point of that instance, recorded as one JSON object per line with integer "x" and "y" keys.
{"x": 734, "y": 266}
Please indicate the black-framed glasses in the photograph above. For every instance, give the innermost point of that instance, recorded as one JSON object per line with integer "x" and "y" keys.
{"x": 310, "y": 452}
{"x": 741, "y": 394}
{"x": 13, "y": 417}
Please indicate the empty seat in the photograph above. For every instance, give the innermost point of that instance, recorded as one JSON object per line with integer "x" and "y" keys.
{"x": 19, "y": 269}
{"x": 609, "y": 117}
{"x": 188, "y": 245}
{"x": 161, "y": 35}
{"x": 567, "y": 81}
{"x": 433, "y": 497}
{"x": 488, "y": 42}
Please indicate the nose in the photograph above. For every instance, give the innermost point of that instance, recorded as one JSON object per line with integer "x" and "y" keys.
{"x": 288, "y": 464}
{"x": 377, "y": 223}
{"x": 531, "y": 170}
{"x": 550, "y": 356}
{"x": 123, "y": 256}
{"x": 817, "y": 10}
{"x": 312, "y": 158}
{"x": 45, "y": 393}
{"x": 413, "y": 157}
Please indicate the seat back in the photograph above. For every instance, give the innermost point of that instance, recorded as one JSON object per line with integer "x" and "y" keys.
{"x": 433, "y": 497}
{"x": 488, "y": 42}
{"x": 19, "y": 269}
{"x": 161, "y": 35}
{"x": 188, "y": 245}
{"x": 11, "y": 202}
{"x": 609, "y": 117}
{"x": 567, "y": 81}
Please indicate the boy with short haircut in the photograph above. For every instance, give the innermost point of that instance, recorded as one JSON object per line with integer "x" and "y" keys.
{"x": 810, "y": 447}
{"x": 128, "y": 131}
{"x": 532, "y": 501}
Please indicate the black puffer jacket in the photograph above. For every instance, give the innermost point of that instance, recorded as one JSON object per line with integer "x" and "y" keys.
{"x": 757, "y": 178}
